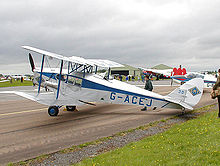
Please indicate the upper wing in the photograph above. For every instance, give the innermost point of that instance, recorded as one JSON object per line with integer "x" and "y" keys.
{"x": 105, "y": 63}
{"x": 57, "y": 56}
{"x": 75, "y": 59}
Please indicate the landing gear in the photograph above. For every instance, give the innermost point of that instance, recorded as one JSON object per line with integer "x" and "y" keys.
{"x": 70, "y": 108}
{"x": 53, "y": 110}
{"x": 183, "y": 110}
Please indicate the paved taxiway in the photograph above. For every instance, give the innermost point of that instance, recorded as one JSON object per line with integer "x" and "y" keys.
{"x": 27, "y": 131}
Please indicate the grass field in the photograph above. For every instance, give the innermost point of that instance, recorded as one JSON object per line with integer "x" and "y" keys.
{"x": 195, "y": 142}
{"x": 16, "y": 83}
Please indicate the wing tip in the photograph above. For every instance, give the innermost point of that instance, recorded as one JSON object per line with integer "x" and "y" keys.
{"x": 26, "y": 47}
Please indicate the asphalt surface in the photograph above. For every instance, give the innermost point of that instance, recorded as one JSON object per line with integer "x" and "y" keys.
{"x": 27, "y": 131}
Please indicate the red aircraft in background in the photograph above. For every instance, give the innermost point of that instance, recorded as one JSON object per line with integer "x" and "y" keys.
{"x": 167, "y": 73}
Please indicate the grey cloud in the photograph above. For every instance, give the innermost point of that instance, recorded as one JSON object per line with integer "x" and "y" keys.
{"x": 139, "y": 33}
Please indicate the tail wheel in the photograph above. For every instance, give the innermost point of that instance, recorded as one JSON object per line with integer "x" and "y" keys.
{"x": 70, "y": 108}
{"x": 53, "y": 110}
{"x": 183, "y": 110}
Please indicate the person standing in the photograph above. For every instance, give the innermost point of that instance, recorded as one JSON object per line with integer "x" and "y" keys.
{"x": 120, "y": 77}
{"x": 126, "y": 78}
{"x": 217, "y": 87}
{"x": 142, "y": 77}
{"x": 132, "y": 78}
{"x": 148, "y": 86}
{"x": 151, "y": 76}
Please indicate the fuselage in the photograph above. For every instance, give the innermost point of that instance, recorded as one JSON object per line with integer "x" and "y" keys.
{"x": 96, "y": 88}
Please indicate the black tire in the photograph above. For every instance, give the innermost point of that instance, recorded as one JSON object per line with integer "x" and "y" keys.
{"x": 53, "y": 110}
{"x": 70, "y": 108}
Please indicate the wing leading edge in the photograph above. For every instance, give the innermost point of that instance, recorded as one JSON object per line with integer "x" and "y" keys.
{"x": 75, "y": 59}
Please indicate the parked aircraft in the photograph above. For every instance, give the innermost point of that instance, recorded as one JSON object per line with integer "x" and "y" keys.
{"x": 77, "y": 82}
{"x": 209, "y": 80}
{"x": 180, "y": 76}
{"x": 165, "y": 72}
{"x": 4, "y": 80}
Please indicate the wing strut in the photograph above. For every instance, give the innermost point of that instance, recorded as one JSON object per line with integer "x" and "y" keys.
{"x": 68, "y": 72}
{"x": 109, "y": 70}
{"x": 58, "y": 88}
{"x": 84, "y": 71}
{"x": 41, "y": 71}
{"x": 96, "y": 68}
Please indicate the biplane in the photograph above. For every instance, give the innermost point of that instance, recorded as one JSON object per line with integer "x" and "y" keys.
{"x": 77, "y": 81}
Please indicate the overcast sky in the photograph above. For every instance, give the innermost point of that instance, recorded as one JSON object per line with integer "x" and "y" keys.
{"x": 135, "y": 32}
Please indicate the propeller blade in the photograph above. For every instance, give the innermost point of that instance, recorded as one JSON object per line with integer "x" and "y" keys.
{"x": 31, "y": 62}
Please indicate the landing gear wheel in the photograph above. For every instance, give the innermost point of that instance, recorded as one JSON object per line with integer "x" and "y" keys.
{"x": 70, "y": 108}
{"x": 183, "y": 111}
{"x": 53, "y": 110}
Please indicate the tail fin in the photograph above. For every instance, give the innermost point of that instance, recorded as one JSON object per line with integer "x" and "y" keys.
{"x": 187, "y": 95}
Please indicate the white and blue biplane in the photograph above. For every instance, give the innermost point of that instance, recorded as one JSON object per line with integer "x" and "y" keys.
{"x": 76, "y": 82}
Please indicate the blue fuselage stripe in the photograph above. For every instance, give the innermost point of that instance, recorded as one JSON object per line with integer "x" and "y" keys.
{"x": 92, "y": 85}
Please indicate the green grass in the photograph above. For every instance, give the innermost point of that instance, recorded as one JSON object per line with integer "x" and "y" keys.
{"x": 15, "y": 83}
{"x": 195, "y": 142}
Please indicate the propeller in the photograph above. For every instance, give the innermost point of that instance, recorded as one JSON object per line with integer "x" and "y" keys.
{"x": 31, "y": 62}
